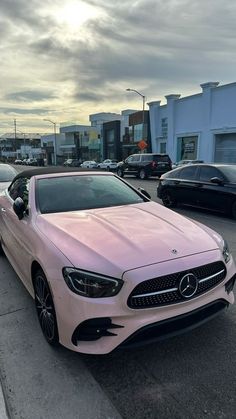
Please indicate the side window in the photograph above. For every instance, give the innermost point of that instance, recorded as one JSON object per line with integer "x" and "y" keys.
{"x": 207, "y": 172}
{"x": 189, "y": 172}
{"x": 136, "y": 158}
{"x": 172, "y": 175}
{"x": 132, "y": 159}
{"x": 146, "y": 157}
{"x": 20, "y": 188}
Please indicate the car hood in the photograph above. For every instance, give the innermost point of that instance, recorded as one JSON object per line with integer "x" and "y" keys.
{"x": 121, "y": 238}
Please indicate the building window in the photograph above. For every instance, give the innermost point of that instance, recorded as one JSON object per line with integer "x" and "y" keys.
{"x": 164, "y": 127}
{"x": 187, "y": 148}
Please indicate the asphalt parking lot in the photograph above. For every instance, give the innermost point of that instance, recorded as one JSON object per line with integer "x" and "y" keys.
{"x": 189, "y": 376}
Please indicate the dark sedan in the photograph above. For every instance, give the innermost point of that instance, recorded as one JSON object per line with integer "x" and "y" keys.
{"x": 72, "y": 163}
{"x": 208, "y": 186}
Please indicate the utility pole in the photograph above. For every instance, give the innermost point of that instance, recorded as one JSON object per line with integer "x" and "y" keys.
{"x": 15, "y": 134}
{"x": 15, "y": 127}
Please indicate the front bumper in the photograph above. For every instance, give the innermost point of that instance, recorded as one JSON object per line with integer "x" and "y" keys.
{"x": 129, "y": 326}
{"x": 175, "y": 326}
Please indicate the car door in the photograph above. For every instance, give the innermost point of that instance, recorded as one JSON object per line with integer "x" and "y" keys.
{"x": 132, "y": 164}
{"x": 187, "y": 186}
{"x": 214, "y": 196}
{"x": 17, "y": 235}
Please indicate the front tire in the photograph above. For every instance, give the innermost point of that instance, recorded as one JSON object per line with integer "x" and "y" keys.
{"x": 168, "y": 200}
{"x": 120, "y": 172}
{"x": 143, "y": 174}
{"x": 45, "y": 308}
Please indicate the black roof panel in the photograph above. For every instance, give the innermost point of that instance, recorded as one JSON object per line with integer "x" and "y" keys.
{"x": 28, "y": 173}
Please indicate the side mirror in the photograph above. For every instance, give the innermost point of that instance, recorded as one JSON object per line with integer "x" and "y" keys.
{"x": 145, "y": 193}
{"x": 217, "y": 180}
{"x": 19, "y": 207}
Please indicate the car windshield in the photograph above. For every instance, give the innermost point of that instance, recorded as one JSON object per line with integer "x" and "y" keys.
{"x": 7, "y": 173}
{"x": 82, "y": 192}
{"x": 230, "y": 172}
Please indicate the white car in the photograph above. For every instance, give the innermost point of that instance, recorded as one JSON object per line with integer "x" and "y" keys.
{"x": 7, "y": 174}
{"x": 108, "y": 164}
{"x": 89, "y": 164}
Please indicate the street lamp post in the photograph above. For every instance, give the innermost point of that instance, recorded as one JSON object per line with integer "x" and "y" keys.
{"x": 55, "y": 140}
{"x": 143, "y": 97}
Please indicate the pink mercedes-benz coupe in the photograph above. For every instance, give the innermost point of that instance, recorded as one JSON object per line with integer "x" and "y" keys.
{"x": 108, "y": 267}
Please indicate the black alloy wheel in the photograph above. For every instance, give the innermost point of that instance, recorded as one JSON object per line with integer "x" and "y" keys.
{"x": 233, "y": 210}
{"x": 45, "y": 308}
{"x": 120, "y": 172}
{"x": 143, "y": 174}
{"x": 168, "y": 200}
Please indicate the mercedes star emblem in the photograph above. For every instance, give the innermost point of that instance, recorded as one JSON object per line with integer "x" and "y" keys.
{"x": 188, "y": 285}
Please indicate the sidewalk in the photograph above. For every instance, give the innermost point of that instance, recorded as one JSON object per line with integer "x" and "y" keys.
{"x": 3, "y": 414}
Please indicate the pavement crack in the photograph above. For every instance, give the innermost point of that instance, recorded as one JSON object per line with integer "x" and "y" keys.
{"x": 11, "y": 312}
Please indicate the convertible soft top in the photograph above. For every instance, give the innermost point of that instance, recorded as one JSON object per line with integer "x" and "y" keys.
{"x": 28, "y": 173}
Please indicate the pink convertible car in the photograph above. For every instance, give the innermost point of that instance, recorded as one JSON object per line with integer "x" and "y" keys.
{"x": 108, "y": 267}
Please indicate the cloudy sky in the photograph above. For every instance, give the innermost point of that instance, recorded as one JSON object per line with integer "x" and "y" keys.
{"x": 65, "y": 59}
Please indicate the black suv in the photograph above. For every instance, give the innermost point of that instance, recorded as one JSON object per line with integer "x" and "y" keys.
{"x": 145, "y": 165}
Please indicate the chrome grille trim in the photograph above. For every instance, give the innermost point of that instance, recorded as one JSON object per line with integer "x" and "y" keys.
{"x": 155, "y": 293}
{"x": 210, "y": 277}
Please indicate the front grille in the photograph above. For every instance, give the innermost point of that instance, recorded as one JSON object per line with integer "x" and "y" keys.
{"x": 164, "y": 290}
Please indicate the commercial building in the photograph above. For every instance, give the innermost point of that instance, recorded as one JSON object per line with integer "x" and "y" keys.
{"x": 19, "y": 146}
{"x": 201, "y": 126}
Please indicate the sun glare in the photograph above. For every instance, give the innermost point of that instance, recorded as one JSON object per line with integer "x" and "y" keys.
{"x": 75, "y": 13}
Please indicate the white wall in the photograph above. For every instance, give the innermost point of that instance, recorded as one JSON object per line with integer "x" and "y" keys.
{"x": 224, "y": 106}
{"x": 204, "y": 114}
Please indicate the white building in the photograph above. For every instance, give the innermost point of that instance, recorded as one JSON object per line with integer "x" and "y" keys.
{"x": 201, "y": 126}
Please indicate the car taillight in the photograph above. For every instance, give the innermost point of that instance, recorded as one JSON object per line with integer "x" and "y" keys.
{"x": 154, "y": 163}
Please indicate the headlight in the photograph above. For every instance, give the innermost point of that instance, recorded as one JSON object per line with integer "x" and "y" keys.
{"x": 226, "y": 253}
{"x": 91, "y": 285}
